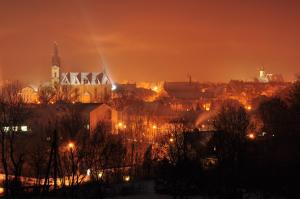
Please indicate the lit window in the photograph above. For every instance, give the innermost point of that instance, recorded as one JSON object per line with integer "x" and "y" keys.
{"x": 24, "y": 128}
{"x": 15, "y": 128}
{"x": 6, "y": 129}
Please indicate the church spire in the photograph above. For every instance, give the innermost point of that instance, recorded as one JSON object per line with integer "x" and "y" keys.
{"x": 55, "y": 57}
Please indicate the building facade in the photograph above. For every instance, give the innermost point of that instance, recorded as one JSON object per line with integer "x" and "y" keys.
{"x": 86, "y": 87}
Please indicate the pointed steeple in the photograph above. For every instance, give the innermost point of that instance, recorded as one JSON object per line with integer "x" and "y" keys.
{"x": 55, "y": 56}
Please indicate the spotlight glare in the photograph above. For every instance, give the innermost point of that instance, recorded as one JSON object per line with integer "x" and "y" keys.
{"x": 113, "y": 87}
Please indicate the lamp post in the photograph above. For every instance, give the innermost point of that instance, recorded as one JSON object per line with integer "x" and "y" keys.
{"x": 71, "y": 147}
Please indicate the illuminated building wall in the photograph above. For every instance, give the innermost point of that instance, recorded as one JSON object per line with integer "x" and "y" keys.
{"x": 89, "y": 87}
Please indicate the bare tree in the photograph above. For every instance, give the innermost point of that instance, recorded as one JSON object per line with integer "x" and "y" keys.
{"x": 14, "y": 113}
{"x": 180, "y": 171}
{"x": 231, "y": 124}
{"x": 65, "y": 94}
{"x": 105, "y": 153}
{"x": 275, "y": 116}
{"x": 46, "y": 94}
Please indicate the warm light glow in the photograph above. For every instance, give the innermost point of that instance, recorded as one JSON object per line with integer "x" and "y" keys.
{"x": 248, "y": 107}
{"x": 126, "y": 178}
{"x": 24, "y": 128}
{"x": 154, "y": 127}
{"x": 171, "y": 140}
{"x": 251, "y": 136}
{"x": 100, "y": 174}
{"x": 1, "y": 190}
{"x": 206, "y": 106}
{"x": 88, "y": 172}
{"x": 121, "y": 125}
{"x": 113, "y": 87}
{"x": 71, "y": 145}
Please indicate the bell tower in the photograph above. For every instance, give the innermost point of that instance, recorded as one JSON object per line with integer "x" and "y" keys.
{"x": 55, "y": 68}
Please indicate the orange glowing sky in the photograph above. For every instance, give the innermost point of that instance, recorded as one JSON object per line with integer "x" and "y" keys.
{"x": 151, "y": 40}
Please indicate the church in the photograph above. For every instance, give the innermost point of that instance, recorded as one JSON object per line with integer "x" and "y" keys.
{"x": 86, "y": 87}
{"x": 82, "y": 87}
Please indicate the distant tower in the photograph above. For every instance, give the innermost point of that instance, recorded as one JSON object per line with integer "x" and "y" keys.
{"x": 262, "y": 72}
{"x": 55, "y": 68}
{"x": 262, "y": 75}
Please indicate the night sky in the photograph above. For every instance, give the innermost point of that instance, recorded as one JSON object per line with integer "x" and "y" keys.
{"x": 151, "y": 40}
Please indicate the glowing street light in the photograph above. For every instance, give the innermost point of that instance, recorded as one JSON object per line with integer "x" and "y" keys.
{"x": 126, "y": 178}
{"x": 100, "y": 174}
{"x": 251, "y": 136}
{"x": 1, "y": 191}
{"x": 120, "y": 125}
{"x": 154, "y": 126}
{"x": 249, "y": 108}
{"x": 71, "y": 145}
{"x": 171, "y": 140}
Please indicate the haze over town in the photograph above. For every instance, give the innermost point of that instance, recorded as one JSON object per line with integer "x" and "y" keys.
{"x": 142, "y": 40}
{"x": 149, "y": 99}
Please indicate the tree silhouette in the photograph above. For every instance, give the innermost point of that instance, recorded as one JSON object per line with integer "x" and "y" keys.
{"x": 231, "y": 124}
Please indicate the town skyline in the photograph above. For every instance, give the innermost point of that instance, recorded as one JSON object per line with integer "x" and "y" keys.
{"x": 149, "y": 99}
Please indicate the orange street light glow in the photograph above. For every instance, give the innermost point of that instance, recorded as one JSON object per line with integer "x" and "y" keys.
{"x": 100, "y": 174}
{"x": 1, "y": 190}
{"x": 126, "y": 178}
{"x": 71, "y": 145}
{"x": 251, "y": 136}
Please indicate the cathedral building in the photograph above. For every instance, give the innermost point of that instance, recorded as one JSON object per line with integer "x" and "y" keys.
{"x": 265, "y": 77}
{"x": 86, "y": 87}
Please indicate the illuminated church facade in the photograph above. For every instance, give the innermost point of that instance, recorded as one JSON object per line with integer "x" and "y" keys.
{"x": 86, "y": 87}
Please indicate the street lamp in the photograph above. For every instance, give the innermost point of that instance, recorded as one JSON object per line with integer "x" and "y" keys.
{"x": 100, "y": 174}
{"x": 251, "y": 136}
{"x": 126, "y": 178}
{"x": 249, "y": 107}
{"x": 71, "y": 145}
{"x": 171, "y": 140}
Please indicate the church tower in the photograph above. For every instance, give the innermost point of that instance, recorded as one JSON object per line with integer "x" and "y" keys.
{"x": 55, "y": 68}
